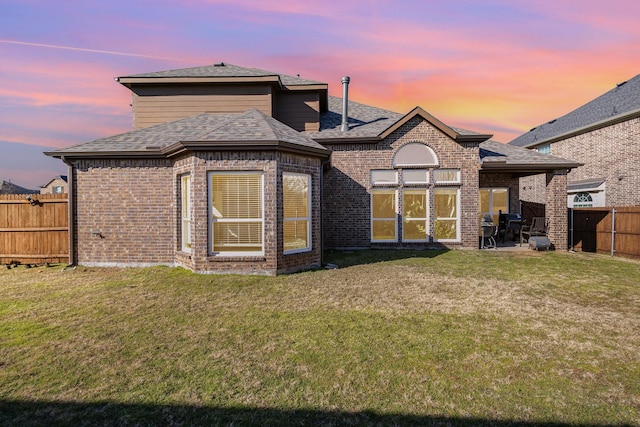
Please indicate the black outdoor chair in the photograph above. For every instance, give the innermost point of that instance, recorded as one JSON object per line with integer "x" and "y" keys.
{"x": 538, "y": 227}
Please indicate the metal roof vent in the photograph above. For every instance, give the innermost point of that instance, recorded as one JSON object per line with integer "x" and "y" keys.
{"x": 345, "y": 103}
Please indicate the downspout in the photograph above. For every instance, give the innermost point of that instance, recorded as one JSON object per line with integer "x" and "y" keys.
{"x": 345, "y": 103}
{"x": 321, "y": 209}
{"x": 70, "y": 208}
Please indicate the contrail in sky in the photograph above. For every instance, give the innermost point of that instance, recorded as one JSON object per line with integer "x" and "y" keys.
{"x": 108, "y": 52}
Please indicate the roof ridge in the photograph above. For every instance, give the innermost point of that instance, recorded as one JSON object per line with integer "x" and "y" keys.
{"x": 264, "y": 118}
{"x": 233, "y": 117}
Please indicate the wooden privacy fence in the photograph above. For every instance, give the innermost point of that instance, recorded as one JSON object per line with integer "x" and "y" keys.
{"x": 530, "y": 210}
{"x": 34, "y": 232}
{"x": 606, "y": 230}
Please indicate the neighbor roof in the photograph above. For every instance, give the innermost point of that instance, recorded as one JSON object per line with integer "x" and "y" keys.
{"x": 219, "y": 70}
{"x": 239, "y": 131}
{"x": 585, "y": 184}
{"x": 619, "y": 104}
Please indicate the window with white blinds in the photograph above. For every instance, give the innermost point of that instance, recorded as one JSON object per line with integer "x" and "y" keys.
{"x": 237, "y": 218}
{"x": 185, "y": 191}
{"x": 297, "y": 212}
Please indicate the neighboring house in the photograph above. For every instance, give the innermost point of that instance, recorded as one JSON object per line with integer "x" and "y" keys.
{"x": 57, "y": 185}
{"x": 7, "y": 187}
{"x": 234, "y": 169}
{"x": 604, "y": 135}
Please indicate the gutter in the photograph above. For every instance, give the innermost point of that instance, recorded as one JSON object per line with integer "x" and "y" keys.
{"x": 154, "y": 152}
{"x": 511, "y": 167}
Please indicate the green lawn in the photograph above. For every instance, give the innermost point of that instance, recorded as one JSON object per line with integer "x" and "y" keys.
{"x": 389, "y": 338}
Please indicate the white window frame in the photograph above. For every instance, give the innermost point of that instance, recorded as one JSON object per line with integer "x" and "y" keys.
{"x": 425, "y": 219}
{"x": 492, "y": 212}
{"x": 584, "y": 199}
{"x": 457, "y": 217}
{"x": 456, "y": 180}
{"x": 395, "y": 217}
{"x": 406, "y": 181}
{"x": 398, "y": 163}
{"x": 212, "y": 219}
{"x": 291, "y": 219}
{"x": 185, "y": 213}
{"x": 376, "y": 182}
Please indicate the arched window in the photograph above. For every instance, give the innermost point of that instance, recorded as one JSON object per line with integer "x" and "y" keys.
{"x": 582, "y": 200}
{"x": 415, "y": 154}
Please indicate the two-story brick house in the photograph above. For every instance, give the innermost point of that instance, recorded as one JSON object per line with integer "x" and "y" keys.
{"x": 233, "y": 169}
{"x": 603, "y": 135}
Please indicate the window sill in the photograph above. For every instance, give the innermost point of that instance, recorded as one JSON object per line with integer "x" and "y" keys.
{"x": 240, "y": 258}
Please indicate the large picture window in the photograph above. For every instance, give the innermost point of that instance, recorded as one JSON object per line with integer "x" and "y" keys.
{"x": 185, "y": 212}
{"x": 447, "y": 215}
{"x": 236, "y": 212}
{"x": 383, "y": 215}
{"x": 297, "y": 212}
{"x": 415, "y": 221}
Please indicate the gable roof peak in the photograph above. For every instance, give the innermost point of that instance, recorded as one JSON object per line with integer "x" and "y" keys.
{"x": 458, "y": 135}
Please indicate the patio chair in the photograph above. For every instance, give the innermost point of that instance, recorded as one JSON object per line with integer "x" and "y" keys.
{"x": 538, "y": 227}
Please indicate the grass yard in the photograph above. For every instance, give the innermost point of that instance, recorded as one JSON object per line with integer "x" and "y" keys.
{"x": 389, "y": 338}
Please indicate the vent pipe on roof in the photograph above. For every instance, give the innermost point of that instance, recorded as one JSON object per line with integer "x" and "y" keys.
{"x": 345, "y": 103}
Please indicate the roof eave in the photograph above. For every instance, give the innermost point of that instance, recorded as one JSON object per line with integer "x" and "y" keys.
{"x": 349, "y": 140}
{"x": 128, "y": 81}
{"x": 314, "y": 86}
{"x": 244, "y": 145}
{"x": 473, "y": 137}
{"x": 138, "y": 154}
{"x": 526, "y": 167}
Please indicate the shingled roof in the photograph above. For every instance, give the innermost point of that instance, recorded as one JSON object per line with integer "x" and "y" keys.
{"x": 219, "y": 70}
{"x": 503, "y": 157}
{"x": 365, "y": 121}
{"x": 240, "y": 131}
{"x": 619, "y": 104}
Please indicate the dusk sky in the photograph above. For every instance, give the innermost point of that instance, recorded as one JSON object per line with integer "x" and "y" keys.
{"x": 496, "y": 66}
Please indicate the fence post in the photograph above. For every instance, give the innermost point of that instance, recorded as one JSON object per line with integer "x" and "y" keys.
{"x": 613, "y": 230}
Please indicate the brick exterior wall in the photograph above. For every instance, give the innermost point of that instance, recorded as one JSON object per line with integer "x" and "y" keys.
{"x": 533, "y": 188}
{"x": 271, "y": 164}
{"x": 347, "y": 188}
{"x": 125, "y": 211}
{"x": 556, "y": 209}
{"x": 612, "y": 153}
{"x": 128, "y": 212}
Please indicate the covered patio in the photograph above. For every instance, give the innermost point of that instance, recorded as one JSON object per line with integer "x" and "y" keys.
{"x": 499, "y": 189}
